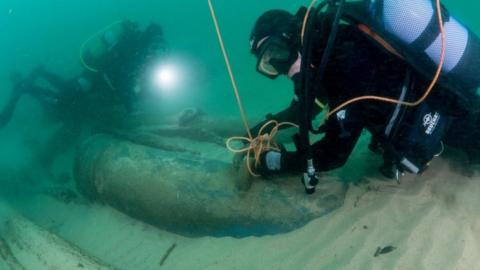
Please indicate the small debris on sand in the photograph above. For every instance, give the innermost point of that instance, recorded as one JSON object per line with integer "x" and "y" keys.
{"x": 384, "y": 250}
{"x": 167, "y": 253}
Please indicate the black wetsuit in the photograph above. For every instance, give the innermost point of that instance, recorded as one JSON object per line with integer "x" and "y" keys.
{"x": 359, "y": 67}
{"x": 65, "y": 102}
{"x": 123, "y": 66}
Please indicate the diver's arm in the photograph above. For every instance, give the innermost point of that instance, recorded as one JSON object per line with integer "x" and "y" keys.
{"x": 43, "y": 95}
{"x": 291, "y": 114}
{"x": 333, "y": 150}
{"x": 53, "y": 79}
{"x": 7, "y": 113}
{"x": 20, "y": 86}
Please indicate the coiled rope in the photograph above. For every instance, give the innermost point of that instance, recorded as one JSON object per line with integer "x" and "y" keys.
{"x": 264, "y": 141}
{"x": 256, "y": 146}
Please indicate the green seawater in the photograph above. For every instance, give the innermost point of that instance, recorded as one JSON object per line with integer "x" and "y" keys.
{"x": 51, "y": 32}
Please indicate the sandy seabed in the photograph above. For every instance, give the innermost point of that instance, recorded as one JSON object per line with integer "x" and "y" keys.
{"x": 428, "y": 222}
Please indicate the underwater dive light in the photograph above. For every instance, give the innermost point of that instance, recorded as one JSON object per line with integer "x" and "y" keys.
{"x": 167, "y": 77}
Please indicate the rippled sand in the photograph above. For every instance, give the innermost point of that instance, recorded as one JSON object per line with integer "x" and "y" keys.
{"x": 428, "y": 222}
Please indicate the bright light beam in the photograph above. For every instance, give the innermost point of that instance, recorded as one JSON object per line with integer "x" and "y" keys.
{"x": 167, "y": 78}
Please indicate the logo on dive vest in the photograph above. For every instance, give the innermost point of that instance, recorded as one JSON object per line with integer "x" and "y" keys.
{"x": 430, "y": 122}
{"x": 341, "y": 115}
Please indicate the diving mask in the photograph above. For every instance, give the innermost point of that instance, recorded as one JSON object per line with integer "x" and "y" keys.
{"x": 274, "y": 57}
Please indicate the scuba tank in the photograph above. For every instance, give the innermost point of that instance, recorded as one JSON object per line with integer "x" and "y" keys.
{"x": 397, "y": 26}
{"x": 411, "y": 28}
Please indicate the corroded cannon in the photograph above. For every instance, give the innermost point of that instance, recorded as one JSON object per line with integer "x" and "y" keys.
{"x": 189, "y": 188}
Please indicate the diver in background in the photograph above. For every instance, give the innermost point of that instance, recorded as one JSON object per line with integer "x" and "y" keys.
{"x": 60, "y": 102}
{"x": 408, "y": 137}
{"x": 119, "y": 77}
{"x": 129, "y": 55}
{"x": 64, "y": 101}
{"x": 94, "y": 97}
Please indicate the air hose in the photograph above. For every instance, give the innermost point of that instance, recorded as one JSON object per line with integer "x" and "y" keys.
{"x": 307, "y": 97}
{"x": 84, "y": 44}
{"x": 429, "y": 88}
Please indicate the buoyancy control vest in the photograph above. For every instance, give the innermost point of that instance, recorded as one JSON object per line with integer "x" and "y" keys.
{"x": 411, "y": 28}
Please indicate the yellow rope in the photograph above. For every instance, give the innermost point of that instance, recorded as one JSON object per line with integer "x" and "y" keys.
{"x": 229, "y": 68}
{"x": 264, "y": 141}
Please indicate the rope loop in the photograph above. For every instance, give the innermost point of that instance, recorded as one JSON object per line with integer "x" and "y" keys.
{"x": 254, "y": 147}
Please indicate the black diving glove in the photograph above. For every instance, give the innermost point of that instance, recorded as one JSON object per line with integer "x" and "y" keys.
{"x": 238, "y": 158}
{"x": 270, "y": 164}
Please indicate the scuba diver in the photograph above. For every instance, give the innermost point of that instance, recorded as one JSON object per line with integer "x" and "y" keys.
{"x": 120, "y": 73}
{"x": 99, "y": 97}
{"x": 360, "y": 49}
{"x": 125, "y": 58}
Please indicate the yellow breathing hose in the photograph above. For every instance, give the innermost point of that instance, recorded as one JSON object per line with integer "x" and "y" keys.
{"x": 304, "y": 25}
{"x": 84, "y": 44}
{"x": 389, "y": 100}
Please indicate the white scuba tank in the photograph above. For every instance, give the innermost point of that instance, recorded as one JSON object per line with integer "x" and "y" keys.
{"x": 411, "y": 27}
